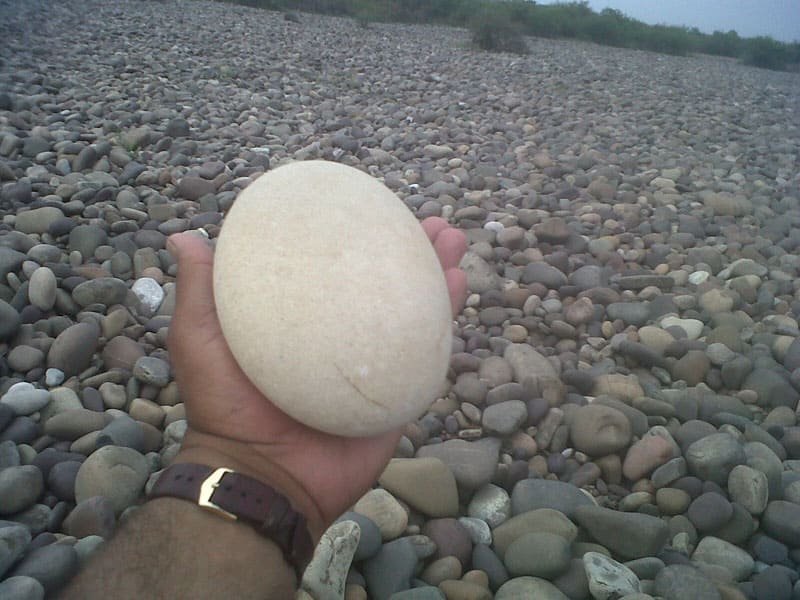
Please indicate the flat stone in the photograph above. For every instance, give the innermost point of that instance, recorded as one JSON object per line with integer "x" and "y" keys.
{"x": 472, "y": 463}
{"x": 542, "y": 520}
{"x": 538, "y": 554}
{"x": 532, "y": 494}
{"x": 631, "y": 535}
{"x": 714, "y": 551}
{"x": 426, "y": 484}
{"x": 37, "y": 220}
{"x": 609, "y": 579}
{"x": 378, "y": 380}
{"x": 114, "y": 472}
{"x": 326, "y": 575}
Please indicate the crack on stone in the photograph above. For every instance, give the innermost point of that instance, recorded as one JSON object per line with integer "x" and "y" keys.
{"x": 360, "y": 392}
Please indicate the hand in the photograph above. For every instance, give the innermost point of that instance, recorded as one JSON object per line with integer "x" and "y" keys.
{"x": 232, "y": 424}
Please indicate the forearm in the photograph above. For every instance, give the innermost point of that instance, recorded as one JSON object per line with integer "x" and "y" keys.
{"x": 173, "y": 549}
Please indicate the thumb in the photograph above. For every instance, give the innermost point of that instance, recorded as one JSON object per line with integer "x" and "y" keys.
{"x": 195, "y": 290}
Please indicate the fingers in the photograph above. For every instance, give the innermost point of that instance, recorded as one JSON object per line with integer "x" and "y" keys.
{"x": 433, "y": 225}
{"x": 450, "y": 244}
{"x": 195, "y": 291}
{"x": 457, "y": 286}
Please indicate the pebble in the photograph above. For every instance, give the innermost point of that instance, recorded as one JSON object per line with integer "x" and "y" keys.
{"x": 73, "y": 349}
{"x": 749, "y": 487}
{"x": 385, "y": 511}
{"x": 115, "y": 472}
{"x": 19, "y": 488}
{"x": 391, "y": 569}
{"x": 659, "y": 287}
{"x": 326, "y": 574}
{"x": 645, "y": 455}
{"x": 599, "y": 430}
{"x": 609, "y": 579}
{"x": 543, "y": 520}
{"x": 712, "y": 458}
{"x": 718, "y": 552}
{"x": 21, "y": 587}
{"x": 426, "y": 484}
{"x": 538, "y": 554}
{"x": 529, "y": 587}
{"x": 491, "y": 504}
{"x": 52, "y": 566}
{"x": 531, "y": 494}
{"x": 678, "y": 582}
{"x": 42, "y": 289}
{"x": 14, "y": 540}
{"x": 473, "y": 464}
{"x": 631, "y": 535}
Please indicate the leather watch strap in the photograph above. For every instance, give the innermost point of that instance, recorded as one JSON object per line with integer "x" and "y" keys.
{"x": 236, "y": 496}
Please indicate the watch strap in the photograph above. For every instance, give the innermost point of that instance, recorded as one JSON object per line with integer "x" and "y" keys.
{"x": 236, "y": 496}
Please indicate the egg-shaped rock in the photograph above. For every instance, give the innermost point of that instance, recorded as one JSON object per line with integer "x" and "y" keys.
{"x": 332, "y": 299}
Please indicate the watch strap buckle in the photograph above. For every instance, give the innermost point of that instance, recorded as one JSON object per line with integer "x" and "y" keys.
{"x": 207, "y": 489}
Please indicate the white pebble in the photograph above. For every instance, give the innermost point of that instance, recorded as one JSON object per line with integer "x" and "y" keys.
{"x": 149, "y": 292}
{"x": 495, "y": 226}
{"x": 698, "y": 277}
{"x": 53, "y": 377}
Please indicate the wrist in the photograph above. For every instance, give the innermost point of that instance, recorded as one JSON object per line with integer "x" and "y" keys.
{"x": 215, "y": 452}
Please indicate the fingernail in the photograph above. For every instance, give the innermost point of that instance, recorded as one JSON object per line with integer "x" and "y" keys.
{"x": 172, "y": 247}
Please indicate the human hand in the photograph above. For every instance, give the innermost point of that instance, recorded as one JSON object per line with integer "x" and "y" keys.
{"x": 232, "y": 424}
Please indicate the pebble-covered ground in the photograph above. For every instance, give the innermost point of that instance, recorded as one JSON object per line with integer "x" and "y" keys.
{"x": 621, "y": 419}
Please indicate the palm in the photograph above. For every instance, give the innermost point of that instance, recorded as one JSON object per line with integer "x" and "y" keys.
{"x": 222, "y": 404}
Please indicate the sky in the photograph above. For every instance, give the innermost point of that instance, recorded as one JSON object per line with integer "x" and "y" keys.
{"x": 777, "y": 18}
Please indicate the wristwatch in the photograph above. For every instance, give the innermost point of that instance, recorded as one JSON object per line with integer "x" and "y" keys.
{"x": 234, "y": 496}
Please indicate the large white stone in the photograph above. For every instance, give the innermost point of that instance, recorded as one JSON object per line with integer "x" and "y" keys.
{"x": 332, "y": 299}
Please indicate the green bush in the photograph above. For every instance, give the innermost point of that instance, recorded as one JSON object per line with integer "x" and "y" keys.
{"x": 501, "y": 26}
{"x": 766, "y": 53}
{"x": 496, "y": 32}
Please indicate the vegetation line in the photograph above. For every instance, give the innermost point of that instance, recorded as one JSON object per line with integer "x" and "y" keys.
{"x": 501, "y": 25}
